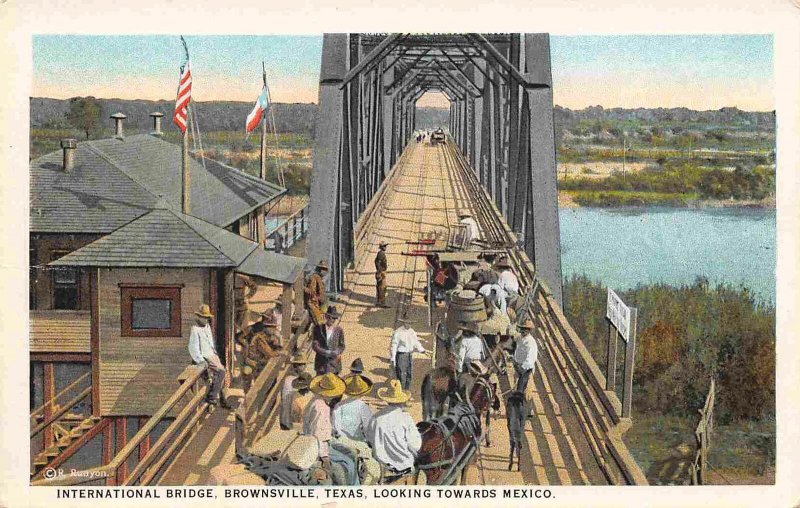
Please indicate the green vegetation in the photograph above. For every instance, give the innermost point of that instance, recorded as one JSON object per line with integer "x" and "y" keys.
{"x": 687, "y": 334}
{"x": 673, "y": 183}
{"x": 84, "y": 114}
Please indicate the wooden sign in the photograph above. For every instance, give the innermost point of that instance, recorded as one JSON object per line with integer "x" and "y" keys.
{"x": 619, "y": 314}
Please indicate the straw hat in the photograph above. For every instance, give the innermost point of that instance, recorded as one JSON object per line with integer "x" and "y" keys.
{"x": 332, "y": 312}
{"x": 301, "y": 381}
{"x": 477, "y": 368}
{"x": 357, "y": 367}
{"x": 357, "y": 385}
{"x": 383, "y": 243}
{"x": 468, "y": 326}
{"x": 327, "y": 385}
{"x": 302, "y": 453}
{"x": 322, "y": 265}
{"x": 526, "y": 325}
{"x": 503, "y": 263}
{"x": 205, "y": 311}
{"x": 393, "y": 394}
{"x": 463, "y": 215}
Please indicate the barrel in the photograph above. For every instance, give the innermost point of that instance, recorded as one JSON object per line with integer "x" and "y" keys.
{"x": 465, "y": 306}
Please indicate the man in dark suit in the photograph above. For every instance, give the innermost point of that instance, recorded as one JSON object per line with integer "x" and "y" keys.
{"x": 328, "y": 344}
{"x": 381, "y": 266}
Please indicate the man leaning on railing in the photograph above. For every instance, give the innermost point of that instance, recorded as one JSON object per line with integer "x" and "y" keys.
{"x": 203, "y": 353}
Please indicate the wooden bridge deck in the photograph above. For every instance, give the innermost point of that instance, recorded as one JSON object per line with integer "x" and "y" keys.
{"x": 424, "y": 193}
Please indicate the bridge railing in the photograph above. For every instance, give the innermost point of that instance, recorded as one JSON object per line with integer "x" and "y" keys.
{"x": 189, "y": 403}
{"x": 292, "y": 229}
{"x": 598, "y": 410}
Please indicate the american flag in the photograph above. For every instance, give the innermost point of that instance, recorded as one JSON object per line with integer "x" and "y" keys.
{"x": 184, "y": 93}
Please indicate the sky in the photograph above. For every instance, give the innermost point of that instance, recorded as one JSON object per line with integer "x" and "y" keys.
{"x": 694, "y": 71}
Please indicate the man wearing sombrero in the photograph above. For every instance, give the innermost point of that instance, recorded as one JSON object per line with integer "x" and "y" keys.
{"x": 203, "y": 353}
{"x": 381, "y": 265}
{"x": 315, "y": 292}
{"x": 507, "y": 280}
{"x": 328, "y": 343}
{"x": 352, "y": 416}
{"x": 525, "y": 355}
{"x": 392, "y": 433}
{"x": 317, "y": 416}
{"x": 472, "y": 231}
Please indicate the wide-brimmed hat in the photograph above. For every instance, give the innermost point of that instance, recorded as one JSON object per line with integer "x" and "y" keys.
{"x": 322, "y": 265}
{"x": 357, "y": 367}
{"x": 393, "y": 394}
{"x": 333, "y": 312}
{"x": 468, "y": 326}
{"x": 327, "y": 385}
{"x": 357, "y": 385}
{"x": 503, "y": 263}
{"x": 526, "y": 325}
{"x": 302, "y": 453}
{"x": 473, "y": 285}
{"x": 303, "y": 380}
{"x": 298, "y": 359}
{"x": 476, "y": 367}
{"x": 205, "y": 311}
{"x": 464, "y": 214}
{"x": 383, "y": 243}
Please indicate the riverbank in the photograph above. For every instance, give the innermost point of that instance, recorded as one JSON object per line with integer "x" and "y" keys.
{"x": 621, "y": 198}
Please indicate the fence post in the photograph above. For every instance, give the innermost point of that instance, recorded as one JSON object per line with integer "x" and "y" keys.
{"x": 611, "y": 358}
{"x": 630, "y": 349}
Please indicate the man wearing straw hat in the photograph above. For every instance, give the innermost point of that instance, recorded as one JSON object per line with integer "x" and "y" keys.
{"x": 525, "y": 355}
{"x": 204, "y": 353}
{"x": 471, "y": 346}
{"x": 317, "y": 416}
{"x": 472, "y": 232}
{"x": 298, "y": 365}
{"x": 507, "y": 279}
{"x": 315, "y": 292}
{"x": 328, "y": 343}
{"x": 381, "y": 265}
{"x": 352, "y": 416}
{"x": 404, "y": 343}
{"x": 392, "y": 433}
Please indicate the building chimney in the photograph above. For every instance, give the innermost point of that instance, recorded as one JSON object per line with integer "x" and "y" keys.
{"x": 156, "y": 116}
{"x": 69, "y": 145}
{"x": 118, "y": 118}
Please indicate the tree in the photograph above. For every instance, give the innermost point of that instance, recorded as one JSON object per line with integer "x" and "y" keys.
{"x": 84, "y": 114}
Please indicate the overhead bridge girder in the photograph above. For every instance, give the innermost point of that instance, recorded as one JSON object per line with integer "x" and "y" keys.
{"x": 501, "y": 116}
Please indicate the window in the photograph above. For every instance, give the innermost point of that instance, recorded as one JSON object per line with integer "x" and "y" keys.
{"x": 151, "y": 311}
{"x": 66, "y": 282}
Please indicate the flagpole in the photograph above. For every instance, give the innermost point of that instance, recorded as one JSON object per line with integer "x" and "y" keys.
{"x": 186, "y": 177}
{"x": 261, "y": 234}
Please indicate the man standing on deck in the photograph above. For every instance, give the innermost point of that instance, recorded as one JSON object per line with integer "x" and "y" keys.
{"x": 525, "y": 355}
{"x": 404, "y": 343}
{"x": 393, "y": 434}
{"x": 507, "y": 279}
{"x": 203, "y": 353}
{"x": 328, "y": 344}
{"x": 472, "y": 232}
{"x": 317, "y": 416}
{"x": 315, "y": 292}
{"x": 381, "y": 266}
{"x": 471, "y": 347}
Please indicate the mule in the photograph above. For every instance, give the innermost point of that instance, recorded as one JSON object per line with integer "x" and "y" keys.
{"x": 438, "y": 392}
{"x": 515, "y": 419}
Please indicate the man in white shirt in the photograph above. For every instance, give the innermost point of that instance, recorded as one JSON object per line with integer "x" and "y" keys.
{"x": 298, "y": 365}
{"x": 495, "y": 295}
{"x": 204, "y": 353}
{"x": 472, "y": 232}
{"x": 507, "y": 280}
{"x": 404, "y": 342}
{"x": 471, "y": 347}
{"x": 525, "y": 355}
{"x": 393, "y": 434}
{"x": 352, "y": 416}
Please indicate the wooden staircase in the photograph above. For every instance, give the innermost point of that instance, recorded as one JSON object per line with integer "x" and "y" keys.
{"x": 67, "y": 432}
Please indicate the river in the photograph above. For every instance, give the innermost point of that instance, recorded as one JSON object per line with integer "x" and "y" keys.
{"x": 624, "y": 247}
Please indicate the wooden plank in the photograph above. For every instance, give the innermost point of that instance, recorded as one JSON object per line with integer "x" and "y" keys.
{"x": 121, "y": 438}
{"x": 144, "y": 446}
{"x": 74, "y": 447}
{"x": 49, "y": 391}
{"x": 94, "y": 281}
{"x": 61, "y": 357}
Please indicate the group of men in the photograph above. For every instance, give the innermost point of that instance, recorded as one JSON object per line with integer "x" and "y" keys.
{"x": 331, "y": 408}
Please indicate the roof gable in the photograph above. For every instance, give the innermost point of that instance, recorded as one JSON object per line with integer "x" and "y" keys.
{"x": 163, "y": 238}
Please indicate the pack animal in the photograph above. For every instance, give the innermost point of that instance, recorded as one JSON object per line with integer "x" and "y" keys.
{"x": 515, "y": 419}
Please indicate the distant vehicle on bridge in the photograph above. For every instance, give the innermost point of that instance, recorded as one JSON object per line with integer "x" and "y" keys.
{"x": 437, "y": 137}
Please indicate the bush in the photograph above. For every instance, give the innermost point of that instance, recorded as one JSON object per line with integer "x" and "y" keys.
{"x": 687, "y": 334}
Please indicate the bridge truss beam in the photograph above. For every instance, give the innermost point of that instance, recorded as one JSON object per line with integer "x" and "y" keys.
{"x": 501, "y": 116}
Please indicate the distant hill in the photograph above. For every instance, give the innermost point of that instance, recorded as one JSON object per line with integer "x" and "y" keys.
{"x": 300, "y": 118}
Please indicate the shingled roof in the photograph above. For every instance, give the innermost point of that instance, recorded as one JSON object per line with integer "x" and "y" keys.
{"x": 116, "y": 180}
{"x": 163, "y": 238}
